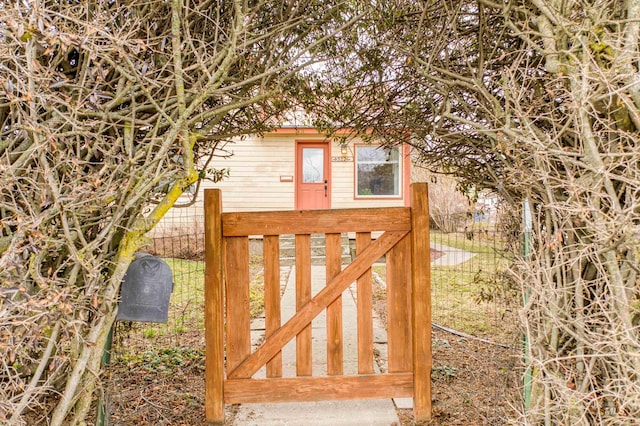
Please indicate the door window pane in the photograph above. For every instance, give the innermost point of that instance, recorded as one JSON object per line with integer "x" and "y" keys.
{"x": 312, "y": 165}
{"x": 378, "y": 171}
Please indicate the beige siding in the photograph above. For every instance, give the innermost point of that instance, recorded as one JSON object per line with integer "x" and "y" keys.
{"x": 255, "y": 170}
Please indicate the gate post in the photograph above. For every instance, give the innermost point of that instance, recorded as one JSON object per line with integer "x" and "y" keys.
{"x": 421, "y": 301}
{"x": 213, "y": 307}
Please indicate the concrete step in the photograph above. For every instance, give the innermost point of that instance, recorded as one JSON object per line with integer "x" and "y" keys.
{"x": 318, "y": 251}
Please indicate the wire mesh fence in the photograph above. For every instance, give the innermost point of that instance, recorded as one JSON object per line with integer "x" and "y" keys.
{"x": 472, "y": 291}
{"x": 179, "y": 241}
{"x": 476, "y": 341}
{"x": 477, "y": 346}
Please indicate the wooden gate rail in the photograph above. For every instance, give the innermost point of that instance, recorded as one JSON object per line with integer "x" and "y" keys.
{"x": 404, "y": 242}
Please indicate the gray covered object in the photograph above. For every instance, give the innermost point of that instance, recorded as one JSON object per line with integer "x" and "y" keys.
{"x": 145, "y": 291}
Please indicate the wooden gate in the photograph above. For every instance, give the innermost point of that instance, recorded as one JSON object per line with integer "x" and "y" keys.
{"x": 405, "y": 244}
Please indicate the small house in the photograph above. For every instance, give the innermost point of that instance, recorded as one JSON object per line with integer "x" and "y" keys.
{"x": 292, "y": 168}
{"x": 300, "y": 168}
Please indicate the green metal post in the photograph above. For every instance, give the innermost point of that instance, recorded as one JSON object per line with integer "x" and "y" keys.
{"x": 526, "y": 252}
{"x": 103, "y": 414}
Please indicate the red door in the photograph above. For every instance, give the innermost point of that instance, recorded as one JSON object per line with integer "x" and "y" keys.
{"x": 313, "y": 188}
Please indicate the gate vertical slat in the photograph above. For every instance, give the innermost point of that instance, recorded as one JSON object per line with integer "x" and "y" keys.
{"x": 214, "y": 308}
{"x": 272, "y": 311}
{"x": 304, "y": 360}
{"x": 335, "y": 355}
{"x": 238, "y": 318}
{"x": 421, "y": 301}
{"x": 399, "y": 306}
{"x": 364, "y": 299}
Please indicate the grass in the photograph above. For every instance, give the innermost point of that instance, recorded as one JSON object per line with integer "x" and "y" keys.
{"x": 166, "y": 360}
{"x": 478, "y": 244}
{"x": 256, "y": 286}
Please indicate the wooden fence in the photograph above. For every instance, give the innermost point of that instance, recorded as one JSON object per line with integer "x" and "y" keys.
{"x": 405, "y": 244}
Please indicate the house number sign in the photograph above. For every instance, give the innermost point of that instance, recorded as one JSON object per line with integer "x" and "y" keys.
{"x": 341, "y": 159}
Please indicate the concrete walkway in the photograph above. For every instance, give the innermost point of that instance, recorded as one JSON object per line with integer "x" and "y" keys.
{"x": 379, "y": 412}
{"x": 451, "y": 256}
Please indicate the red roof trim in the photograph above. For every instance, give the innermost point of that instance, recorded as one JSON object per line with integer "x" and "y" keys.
{"x": 304, "y": 131}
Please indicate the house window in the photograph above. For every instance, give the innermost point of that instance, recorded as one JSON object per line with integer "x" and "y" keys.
{"x": 378, "y": 171}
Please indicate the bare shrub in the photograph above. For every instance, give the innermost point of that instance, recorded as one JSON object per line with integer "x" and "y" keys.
{"x": 448, "y": 207}
{"x": 539, "y": 101}
{"x": 107, "y": 108}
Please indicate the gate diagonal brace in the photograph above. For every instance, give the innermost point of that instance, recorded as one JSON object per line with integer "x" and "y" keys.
{"x": 308, "y": 312}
